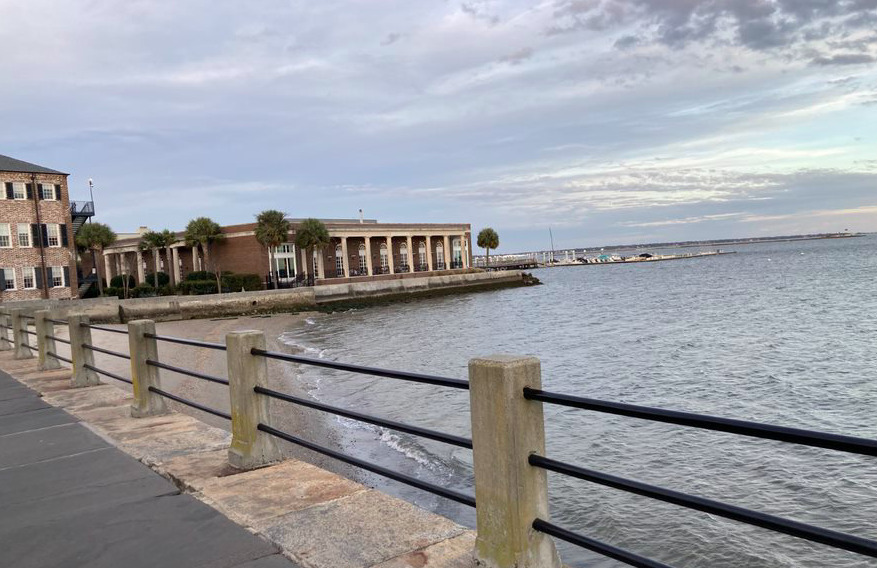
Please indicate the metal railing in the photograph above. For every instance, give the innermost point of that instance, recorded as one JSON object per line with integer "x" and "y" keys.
{"x": 521, "y": 424}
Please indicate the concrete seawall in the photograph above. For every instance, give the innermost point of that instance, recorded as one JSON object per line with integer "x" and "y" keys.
{"x": 167, "y": 308}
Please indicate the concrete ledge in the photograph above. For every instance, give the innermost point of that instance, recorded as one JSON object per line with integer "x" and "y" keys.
{"x": 319, "y": 519}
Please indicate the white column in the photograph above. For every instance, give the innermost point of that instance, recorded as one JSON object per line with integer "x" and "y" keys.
{"x": 304, "y": 262}
{"x": 463, "y": 254}
{"x": 447, "y": 252}
{"x": 368, "y": 255}
{"x": 196, "y": 262}
{"x": 320, "y": 267}
{"x": 390, "y": 255}
{"x": 141, "y": 277}
{"x": 410, "y": 255}
{"x": 175, "y": 253}
{"x": 108, "y": 268}
{"x": 345, "y": 261}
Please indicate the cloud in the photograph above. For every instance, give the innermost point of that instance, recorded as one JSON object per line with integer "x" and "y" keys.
{"x": 845, "y": 59}
{"x": 518, "y": 56}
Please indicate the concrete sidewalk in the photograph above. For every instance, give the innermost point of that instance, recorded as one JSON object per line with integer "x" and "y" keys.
{"x": 69, "y": 499}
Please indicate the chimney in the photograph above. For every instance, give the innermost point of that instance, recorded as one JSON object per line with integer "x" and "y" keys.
{"x": 142, "y": 230}
{"x": 360, "y": 217}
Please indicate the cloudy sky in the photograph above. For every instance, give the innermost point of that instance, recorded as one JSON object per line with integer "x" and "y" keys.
{"x": 607, "y": 120}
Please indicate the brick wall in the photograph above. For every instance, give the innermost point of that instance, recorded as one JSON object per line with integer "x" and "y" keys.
{"x": 17, "y": 212}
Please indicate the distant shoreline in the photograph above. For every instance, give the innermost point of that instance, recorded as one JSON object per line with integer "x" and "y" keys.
{"x": 767, "y": 240}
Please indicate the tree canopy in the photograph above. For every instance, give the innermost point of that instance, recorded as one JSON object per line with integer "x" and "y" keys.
{"x": 95, "y": 236}
{"x": 272, "y": 228}
{"x": 203, "y": 231}
{"x": 312, "y": 233}
{"x": 488, "y": 239}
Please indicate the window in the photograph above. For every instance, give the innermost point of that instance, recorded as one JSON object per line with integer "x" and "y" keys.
{"x": 23, "y": 235}
{"x": 19, "y": 190}
{"x": 363, "y": 264}
{"x": 457, "y": 249}
{"x": 53, "y": 230}
{"x": 5, "y": 238}
{"x": 421, "y": 254}
{"x": 339, "y": 261}
{"x": 8, "y": 278}
{"x": 284, "y": 249}
{"x": 29, "y": 278}
{"x": 403, "y": 254}
{"x": 384, "y": 258}
{"x": 47, "y": 191}
{"x": 440, "y": 256}
{"x": 57, "y": 276}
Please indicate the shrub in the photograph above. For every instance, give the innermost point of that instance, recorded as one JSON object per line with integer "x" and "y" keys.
{"x": 237, "y": 282}
{"x": 119, "y": 282}
{"x": 111, "y": 291}
{"x": 163, "y": 279}
{"x": 142, "y": 291}
{"x": 198, "y": 287}
{"x": 167, "y": 291}
{"x": 200, "y": 275}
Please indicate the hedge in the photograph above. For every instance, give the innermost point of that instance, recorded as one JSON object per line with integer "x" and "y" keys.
{"x": 163, "y": 279}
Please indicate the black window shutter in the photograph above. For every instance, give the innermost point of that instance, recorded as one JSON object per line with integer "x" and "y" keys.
{"x": 34, "y": 235}
{"x": 45, "y": 234}
{"x": 2, "y": 280}
{"x": 39, "y": 187}
{"x": 64, "y": 241}
{"x": 58, "y": 191}
{"x": 49, "y": 277}
{"x": 9, "y": 192}
{"x": 29, "y": 190}
{"x": 38, "y": 277}
{"x": 66, "y": 276}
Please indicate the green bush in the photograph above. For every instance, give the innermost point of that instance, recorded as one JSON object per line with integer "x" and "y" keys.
{"x": 200, "y": 275}
{"x": 111, "y": 291}
{"x": 142, "y": 291}
{"x": 198, "y": 287}
{"x": 163, "y": 279}
{"x": 167, "y": 291}
{"x": 119, "y": 281}
{"x": 237, "y": 282}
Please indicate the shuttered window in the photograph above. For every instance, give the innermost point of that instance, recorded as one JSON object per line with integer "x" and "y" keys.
{"x": 5, "y": 237}
{"x": 47, "y": 191}
{"x": 8, "y": 279}
{"x": 19, "y": 190}
{"x": 23, "y": 235}
{"x": 56, "y": 277}
{"x": 29, "y": 278}
{"x": 53, "y": 232}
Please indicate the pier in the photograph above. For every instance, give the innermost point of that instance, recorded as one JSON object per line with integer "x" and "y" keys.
{"x": 313, "y": 517}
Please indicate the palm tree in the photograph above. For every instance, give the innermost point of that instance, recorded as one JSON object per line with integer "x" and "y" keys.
{"x": 166, "y": 239}
{"x": 488, "y": 239}
{"x": 202, "y": 232}
{"x": 311, "y": 235}
{"x": 151, "y": 241}
{"x": 96, "y": 237}
{"x": 272, "y": 230}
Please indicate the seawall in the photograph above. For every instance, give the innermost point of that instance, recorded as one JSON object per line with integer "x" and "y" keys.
{"x": 168, "y": 308}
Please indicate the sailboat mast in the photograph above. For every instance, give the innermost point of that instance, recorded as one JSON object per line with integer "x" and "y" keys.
{"x": 551, "y": 236}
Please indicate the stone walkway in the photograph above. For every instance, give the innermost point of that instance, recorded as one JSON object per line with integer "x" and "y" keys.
{"x": 69, "y": 499}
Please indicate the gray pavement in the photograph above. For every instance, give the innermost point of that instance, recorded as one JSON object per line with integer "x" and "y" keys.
{"x": 69, "y": 499}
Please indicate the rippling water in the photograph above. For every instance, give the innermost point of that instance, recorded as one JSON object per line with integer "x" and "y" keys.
{"x": 783, "y": 333}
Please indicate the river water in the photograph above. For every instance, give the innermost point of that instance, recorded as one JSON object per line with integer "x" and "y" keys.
{"x": 784, "y": 333}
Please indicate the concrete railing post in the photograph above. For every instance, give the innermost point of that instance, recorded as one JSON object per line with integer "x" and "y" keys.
{"x": 143, "y": 376}
{"x": 79, "y": 336}
{"x": 511, "y": 494}
{"x": 45, "y": 343}
{"x": 5, "y": 335}
{"x": 20, "y": 337}
{"x": 250, "y": 447}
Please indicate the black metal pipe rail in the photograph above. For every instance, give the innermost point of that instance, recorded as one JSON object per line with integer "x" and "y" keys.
{"x": 812, "y": 533}
{"x": 60, "y": 339}
{"x": 403, "y": 375}
{"x": 394, "y": 475}
{"x": 851, "y": 444}
{"x": 29, "y": 332}
{"x": 58, "y": 357}
{"x": 6, "y": 326}
{"x": 391, "y": 424}
{"x": 106, "y": 351}
{"x": 103, "y": 328}
{"x": 191, "y": 403}
{"x": 183, "y": 341}
{"x": 25, "y": 316}
{"x": 597, "y": 546}
{"x": 183, "y": 371}
{"x": 59, "y": 322}
{"x": 107, "y": 373}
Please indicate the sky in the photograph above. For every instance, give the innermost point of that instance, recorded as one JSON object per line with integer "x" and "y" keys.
{"x": 609, "y": 121}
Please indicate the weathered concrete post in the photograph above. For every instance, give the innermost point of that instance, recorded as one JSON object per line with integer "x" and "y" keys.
{"x": 5, "y": 335}
{"x": 143, "y": 376}
{"x": 79, "y": 336}
{"x": 20, "y": 336}
{"x": 45, "y": 343}
{"x": 511, "y": 494}
{"x": 250, "y": 447}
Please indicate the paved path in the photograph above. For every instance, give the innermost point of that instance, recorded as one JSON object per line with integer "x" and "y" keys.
{"x": 69, "y": 499}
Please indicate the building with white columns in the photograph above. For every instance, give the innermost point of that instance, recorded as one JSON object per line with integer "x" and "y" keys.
{"x": 358, "y": 249}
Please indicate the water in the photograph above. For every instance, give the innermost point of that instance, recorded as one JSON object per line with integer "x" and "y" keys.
{"x": 783, "y": 333}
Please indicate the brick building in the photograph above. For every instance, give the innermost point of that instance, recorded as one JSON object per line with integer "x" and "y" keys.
{"x": 37, "y": 253}
{"x": 359, "y": 249}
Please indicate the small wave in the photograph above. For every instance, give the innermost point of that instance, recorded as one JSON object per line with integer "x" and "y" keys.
{"x": 310, "y": 321}
{"x": 408, "y": 450}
